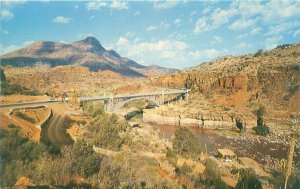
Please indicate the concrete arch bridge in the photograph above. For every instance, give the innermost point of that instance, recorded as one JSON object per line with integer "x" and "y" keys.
{"x": 112, "y": 103}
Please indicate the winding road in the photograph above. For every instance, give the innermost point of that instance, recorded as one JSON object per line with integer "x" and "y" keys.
{"x": 54, "y": 133}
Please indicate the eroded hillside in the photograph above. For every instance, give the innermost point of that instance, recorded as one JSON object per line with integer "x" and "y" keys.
{"x": 240, "y": 84}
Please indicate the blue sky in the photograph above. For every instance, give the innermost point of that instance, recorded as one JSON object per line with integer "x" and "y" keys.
{"x": 177, "y": 34}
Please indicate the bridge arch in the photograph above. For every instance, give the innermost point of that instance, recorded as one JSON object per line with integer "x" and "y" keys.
{"x": 122, "y": 103}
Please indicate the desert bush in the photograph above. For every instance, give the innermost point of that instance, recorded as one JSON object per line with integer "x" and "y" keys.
{"x": 171, "y": 156}
{"x": 108, "y": 131}
{"x": 239, "y": 125}
{"x": 128, "y": 170}
{"x": 184, "y": 170}
{"x": 212, "y": 176}
{"x": 2, "y": 75}
{"x": 248, "y": 180}
{"x": 186, "y": 143}
{"x": 262, "y": 130}
{"x": 78, "y": 160}
{"x": 18, "y": 155}
{"x": 258, "y": 53}
{"x": 93, "y": 110}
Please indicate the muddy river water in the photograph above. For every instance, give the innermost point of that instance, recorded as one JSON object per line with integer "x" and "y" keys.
{"x": 261, "y": 150}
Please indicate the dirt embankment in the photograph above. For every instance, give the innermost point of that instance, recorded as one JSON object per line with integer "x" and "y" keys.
{"x": 28, "y": 120}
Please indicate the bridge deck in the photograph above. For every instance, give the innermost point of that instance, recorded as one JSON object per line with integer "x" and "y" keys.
{"x": 81, "y": 99}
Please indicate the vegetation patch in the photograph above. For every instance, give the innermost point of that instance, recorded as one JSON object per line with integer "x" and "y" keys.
{"x": 186, "y": 143}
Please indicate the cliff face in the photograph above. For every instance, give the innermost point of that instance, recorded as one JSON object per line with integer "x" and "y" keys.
{"x": 268, "y": 73}
{"x": 242, "y": 83}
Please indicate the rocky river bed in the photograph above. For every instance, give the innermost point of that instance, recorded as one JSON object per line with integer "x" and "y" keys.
{"x": 264, "y": 150}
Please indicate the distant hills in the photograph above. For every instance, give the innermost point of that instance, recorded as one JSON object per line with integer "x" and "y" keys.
{"x": 88, "y": 52}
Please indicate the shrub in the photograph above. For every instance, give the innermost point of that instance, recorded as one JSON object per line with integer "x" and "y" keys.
{"x": 9, "y": 89}
{"x": 186, "y": 143}
{"x": 248, "y": 180}
{"x": 262, "y": 130}
{"x": 106, "y": 130}
{"x": 184, "y": 170}
{"x": 213, "y": 176}
{"x": 2, "y": 75}
{"x": 258, "y": 53}
{"x": 239, "y": 125}
{"x": 93, "y": 110}
{"x": 18, "y": 155}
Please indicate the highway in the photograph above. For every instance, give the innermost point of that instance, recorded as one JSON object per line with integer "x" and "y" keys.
{"x": 27, "y": 104}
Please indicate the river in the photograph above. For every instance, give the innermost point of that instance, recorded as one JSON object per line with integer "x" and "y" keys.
{"x": 257, "y": 148}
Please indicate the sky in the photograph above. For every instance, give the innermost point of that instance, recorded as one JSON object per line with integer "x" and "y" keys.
{"x": 175, "y": 34}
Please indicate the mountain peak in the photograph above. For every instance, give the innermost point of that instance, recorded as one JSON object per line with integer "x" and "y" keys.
{"x": 90, "y": 44}
{"x": 91, "y": 40}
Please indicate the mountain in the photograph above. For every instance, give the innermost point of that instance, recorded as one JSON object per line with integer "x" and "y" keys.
{"x": 88, "y": 52}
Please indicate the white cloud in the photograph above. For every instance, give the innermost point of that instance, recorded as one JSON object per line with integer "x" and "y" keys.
{"x": 163, "y": 48}
{"x": 201, "y": 25}
{"x": 95, "y": 5}
{"x": 81, "y": 36}
{"x": 243, "y": 45}
{"x": 10, "y": 48}
{"x": 247, "y": 14}
{"x": 164, "y": 4}
{"x": 255, "y": 31}
{"x": 151, "y": 28}
{"x": 205, "y": 11}
{"x": 177, "y": 22}
{"x": 168, "y": 54}
{"x": 272, "y": 11}
{"x": 12, "y": 3}
{"x": 217, "y": 39}
{"x": 129, "y": 34}
{"x": 282, "y": 27}
{"x": 272, "y": 42}
{"x": 161, "y": 25}
{"x": 193, "y": 13}
{"x": 220, "y": 17}
{"x": 207, "y": 54}
{"x": 4, "y": 31}
{"x": 119, "y": 5}
{"x": 164, "y": 25}
{"x": 122, "y": 41}
{"x": 61, "y": 20}
{"x": 296, "y": 33}
{"x": 242, "y": 24}
{"x": 6, "y": 14}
